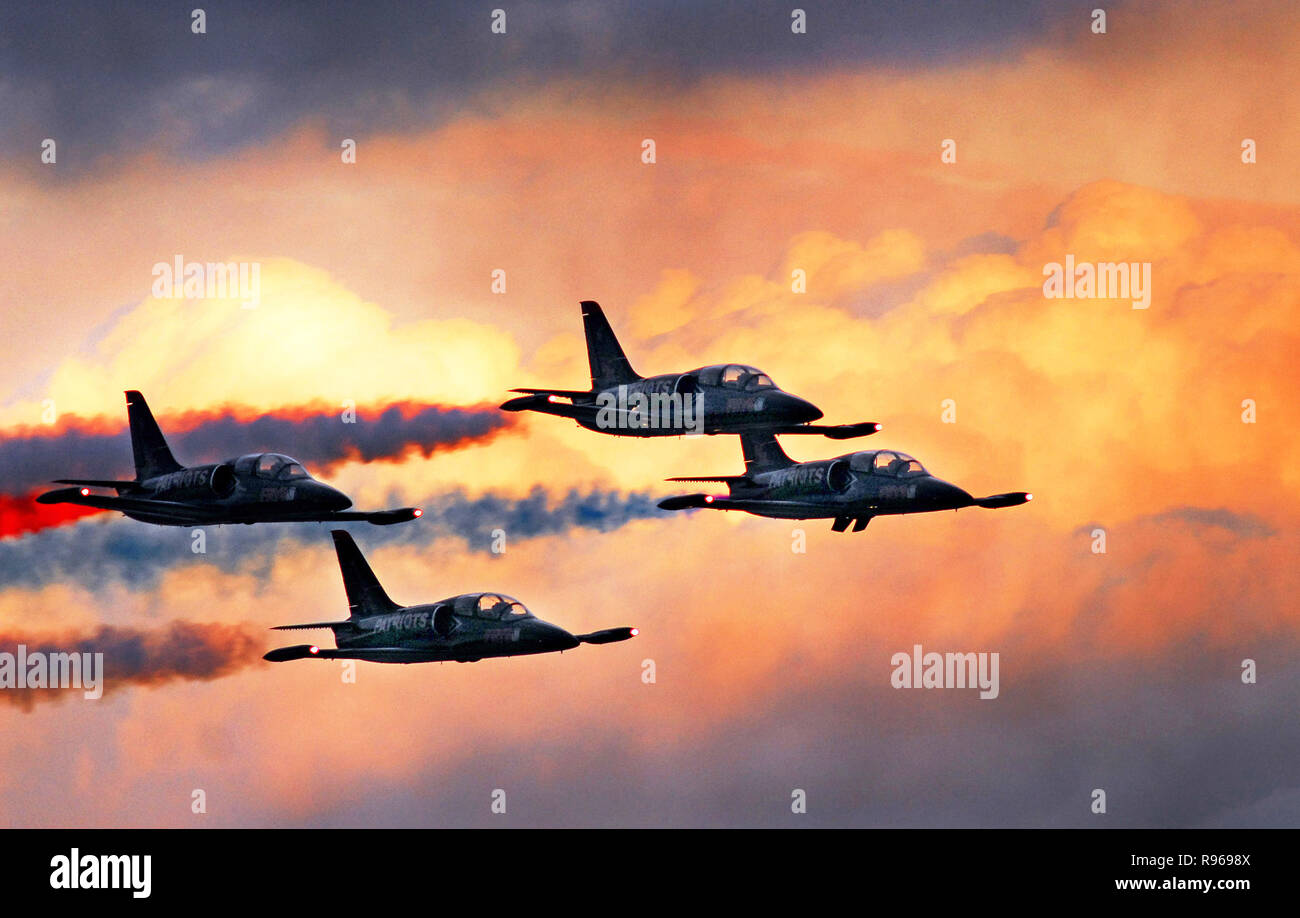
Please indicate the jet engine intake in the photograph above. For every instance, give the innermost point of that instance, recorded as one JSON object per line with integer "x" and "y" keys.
{"x": 222, "y": 480}
{"x": 443, "y": 621}
{"x": 838, "y": 477}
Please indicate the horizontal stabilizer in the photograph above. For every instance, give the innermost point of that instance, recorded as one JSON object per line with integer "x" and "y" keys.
{"x": 562, "y": 393}
{"x": 1011, "y": 499}
{"x": 607, "y": 636}
{"x": 98, "y": 483}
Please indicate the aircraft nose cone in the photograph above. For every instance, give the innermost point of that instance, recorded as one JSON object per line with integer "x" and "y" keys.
{"x": 553, "y": 638}
{"x": 793, "y": 410}
{"x": 807, "y": 411}
{"x": 949, "y": 495}
{"x": 336, "y": 500}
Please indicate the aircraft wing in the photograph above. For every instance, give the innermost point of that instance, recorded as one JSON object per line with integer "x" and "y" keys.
{"x": 726, "y": 479}
{"x": 606, "y": 636}
{"x": 830, "y": 431}
{"x": 198, "y": 515}
{"x": 311, "y": 626}
{"x": 161, "y": 508}
{"x": 686, "y": 502}
{"x": 785, "y": 509}
{"x": 1012, "y": 499}
{"x": 543, "y": 403}
{"x": 375, "y": 517}
{"x": 371, "y": 654}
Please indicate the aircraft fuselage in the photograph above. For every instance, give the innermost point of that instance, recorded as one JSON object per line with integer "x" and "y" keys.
{"x": 675, "y": 405}
{"x": 449, "y": 630}
{"x": 852, "y": 488}
{"x": 829, "y": 488}
{"x": 235, "y": 491}
{"x": 462, "y": 628}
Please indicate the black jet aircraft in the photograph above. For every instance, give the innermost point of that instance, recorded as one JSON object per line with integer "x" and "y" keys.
{"x": 850, "y": 488}
{"x": 722, "y": 399}
{"x": 257, "y": 488}
{"x": 463, "y": 629}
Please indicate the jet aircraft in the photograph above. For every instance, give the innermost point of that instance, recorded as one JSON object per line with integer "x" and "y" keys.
{"x": 851, "y": 488}
{"x": 257, "y": 488}
{"x": 721, "y": 399}
{"x": 463, "y": 629}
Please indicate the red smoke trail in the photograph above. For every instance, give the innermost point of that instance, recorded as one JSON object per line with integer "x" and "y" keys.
{"x": 316, "y": 433}
{"x": 182, "y": 650}
{"x": 319, "y": 434}
{"x": 68, "y": 423}
{"x": 21, "y": 515}
{"x": 176, "y": 424}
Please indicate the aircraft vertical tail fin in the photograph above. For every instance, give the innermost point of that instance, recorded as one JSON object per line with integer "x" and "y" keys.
{"x": 365, "y": 595}
{"x": 763, "y": 453}
{"x": 609, "y": 365}
{"x": 152, "y": 457}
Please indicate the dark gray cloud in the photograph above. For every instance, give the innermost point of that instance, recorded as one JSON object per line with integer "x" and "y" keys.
{"x": 101, "y": 78}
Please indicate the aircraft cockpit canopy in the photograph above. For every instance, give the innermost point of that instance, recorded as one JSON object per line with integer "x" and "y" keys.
{"x": 500, "y": 608}
{"x": 886, "y": 462}
{"x": 736, "y": 376}
{"x": 292, "y": 470}
{"x": 272, "y": 465}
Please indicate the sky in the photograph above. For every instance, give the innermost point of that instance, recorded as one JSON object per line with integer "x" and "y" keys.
{"x": 1169, "y": 432}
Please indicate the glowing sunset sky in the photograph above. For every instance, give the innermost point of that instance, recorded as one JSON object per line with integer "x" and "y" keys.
{"x": 775, "y": 152}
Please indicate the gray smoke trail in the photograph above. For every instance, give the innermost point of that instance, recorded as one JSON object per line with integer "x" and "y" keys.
{"x": 105, "y": 550}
